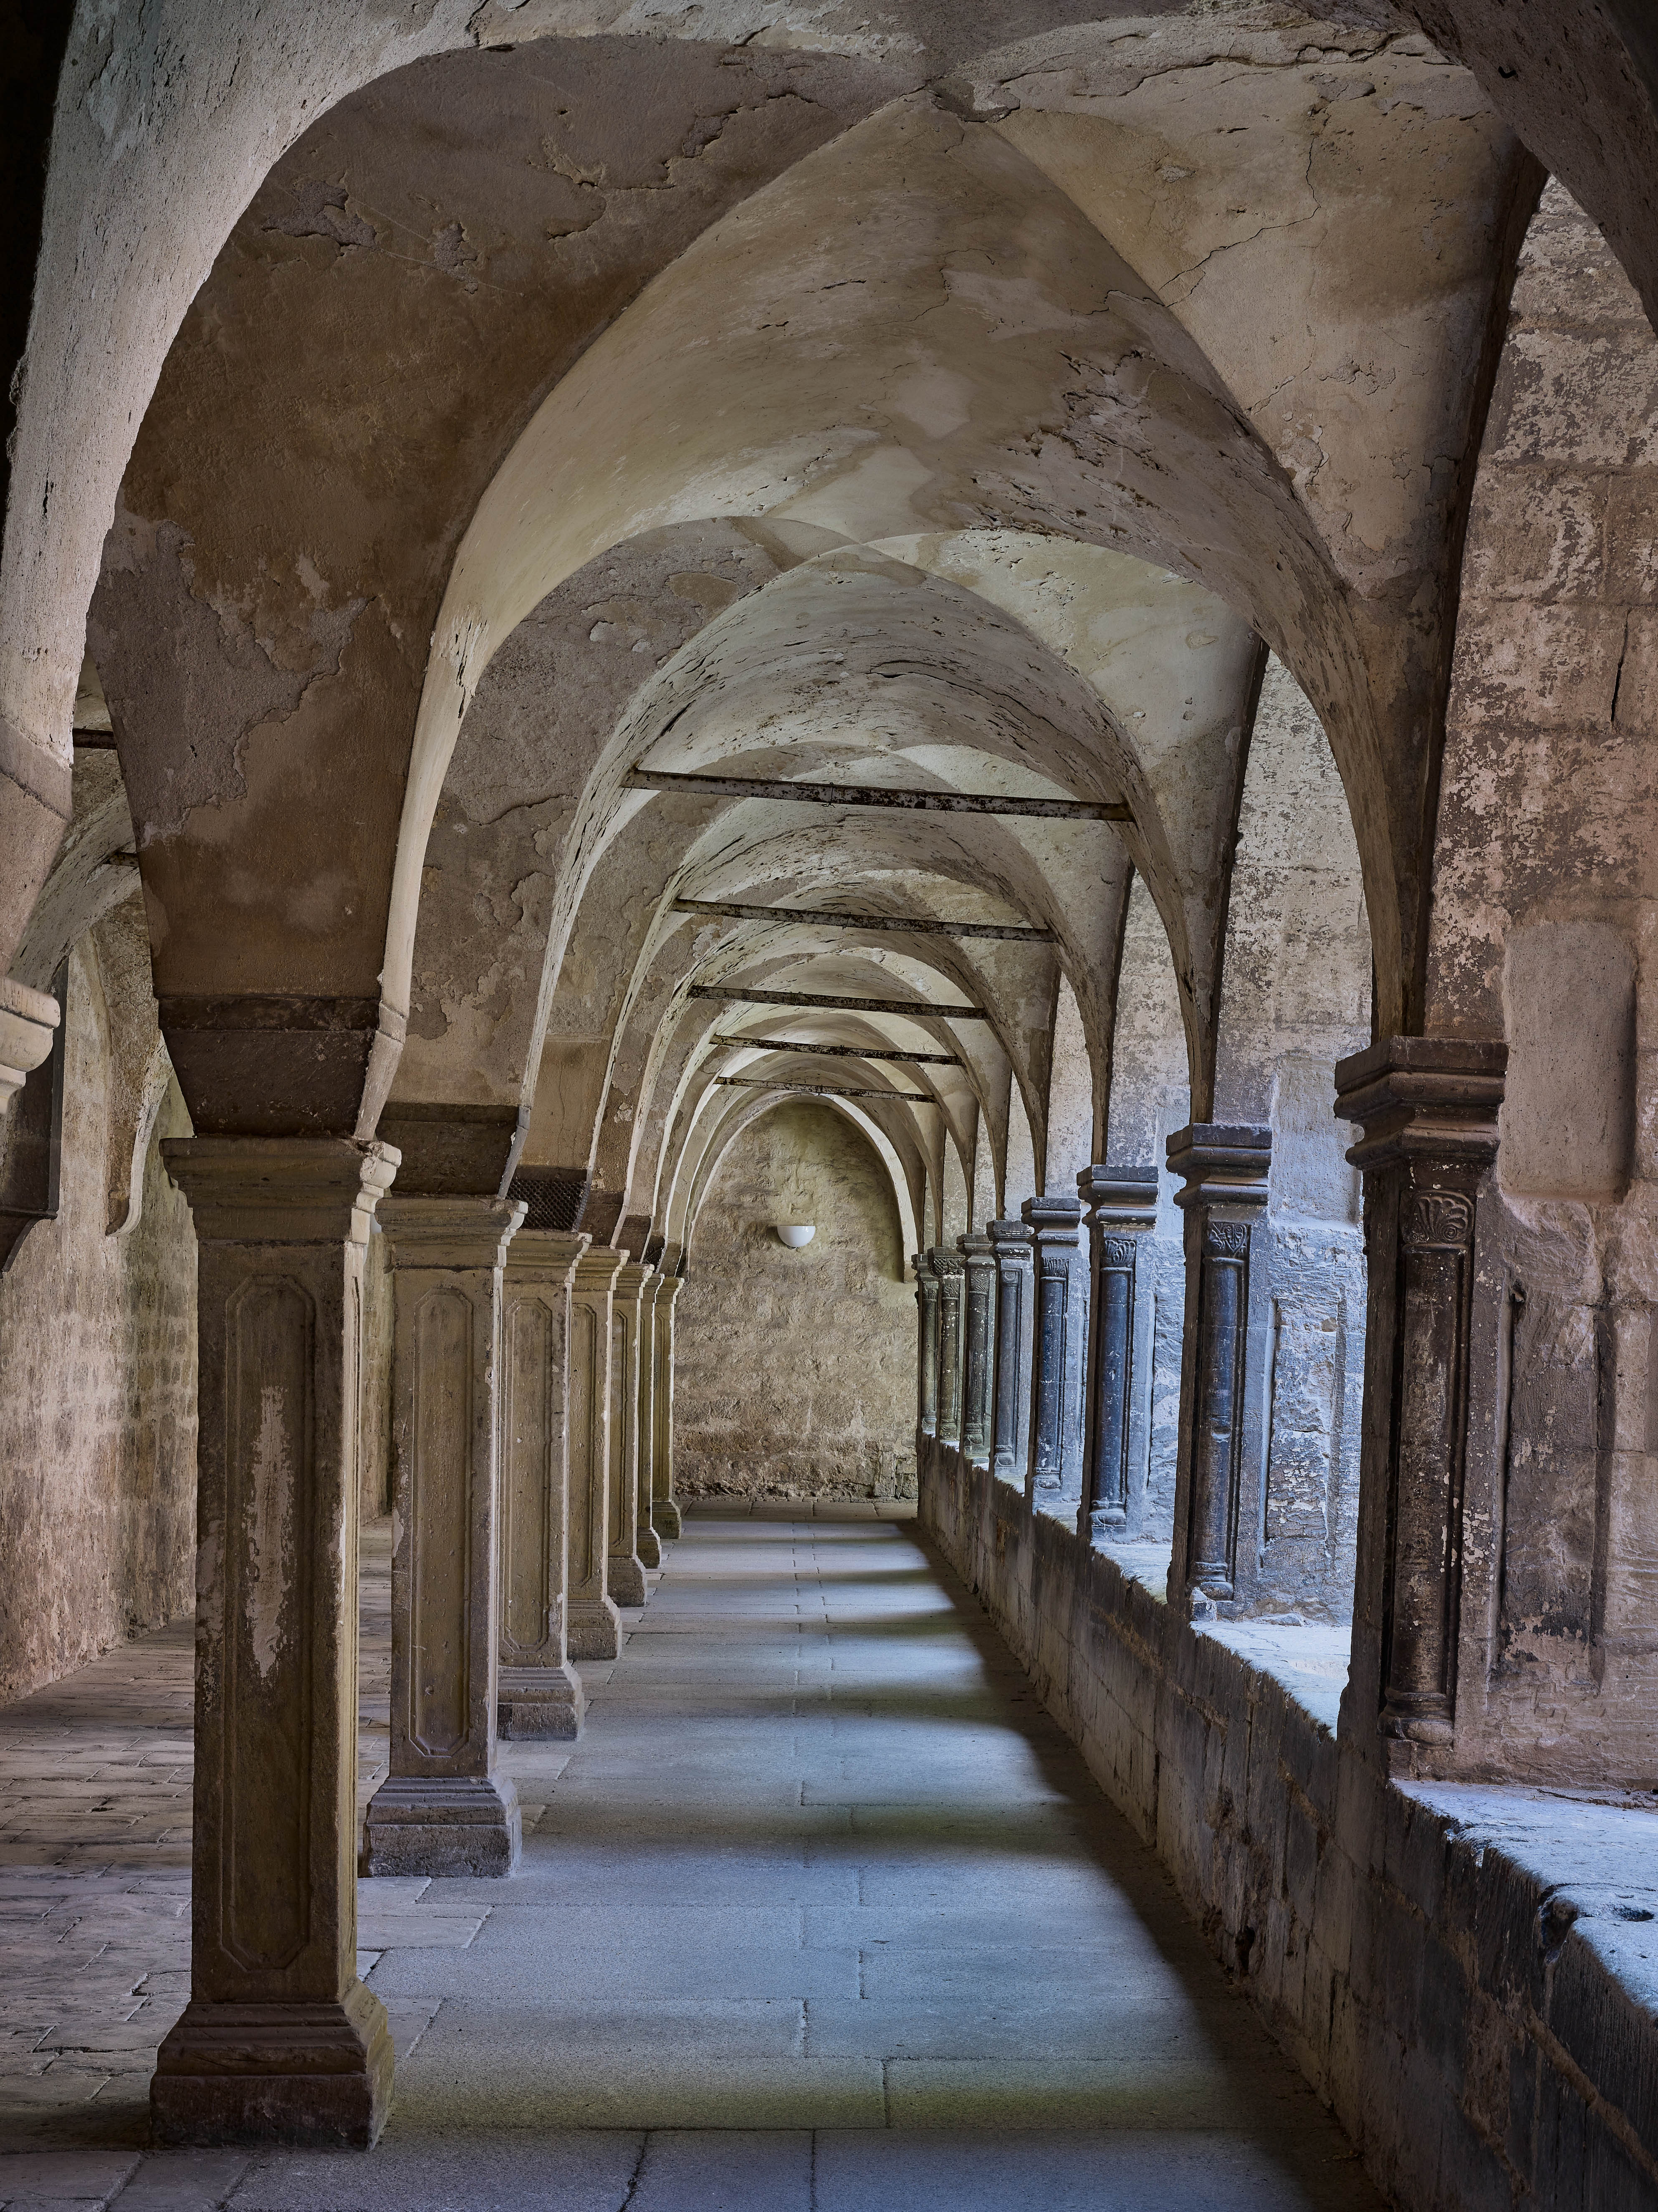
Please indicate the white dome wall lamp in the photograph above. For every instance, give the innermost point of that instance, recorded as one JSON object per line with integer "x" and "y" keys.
{"x": 794, "y": 1234}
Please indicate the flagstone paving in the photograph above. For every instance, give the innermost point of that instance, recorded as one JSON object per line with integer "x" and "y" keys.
{"x": 821, "y": 1912}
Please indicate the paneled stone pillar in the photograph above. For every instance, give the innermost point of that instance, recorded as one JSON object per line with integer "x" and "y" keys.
{"x": 594, "y": 1630}
{"x": 539, "y": 1694}
{"x": 1015, "y": 1310}
{"x": 926, "y": 1357}
{"x": 665, "y": 1507}
{"x": 280, "y": 2041}
{"x": 951, "y": 1277}
{"x": 650, "y": 1545}
{"x": 443, "y": 1810}
{"x": 1060, "y": 1352}
{"x": 1223, "y": 1400}
{"x": 629, "y": 1543}
{"x": 978, "y": 1356}
{"x": 1123, "y": 1209}
{"x": 1428, "y": 1106}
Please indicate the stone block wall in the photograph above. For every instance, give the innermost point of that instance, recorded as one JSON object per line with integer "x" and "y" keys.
{"x": 795, "y": 1371}
{"x": 97, "y": 1377}
{"x": 1465, "y": 1974}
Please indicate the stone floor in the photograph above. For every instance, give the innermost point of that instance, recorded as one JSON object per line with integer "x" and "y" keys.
{"x": 821, "y": 1915}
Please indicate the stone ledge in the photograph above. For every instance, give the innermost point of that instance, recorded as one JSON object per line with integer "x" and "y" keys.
{"x": 1463, "y": 1972}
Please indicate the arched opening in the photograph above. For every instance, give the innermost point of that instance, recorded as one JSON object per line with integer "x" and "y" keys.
{"x": 795, "y": 1368}
{"x": 1033, "y": 655}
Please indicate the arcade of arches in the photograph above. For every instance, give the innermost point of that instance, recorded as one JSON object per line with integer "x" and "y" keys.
{"x": 1020, "y": 636}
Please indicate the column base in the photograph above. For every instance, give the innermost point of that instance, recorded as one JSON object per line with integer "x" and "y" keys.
{"x": 540, "y": 1702}
{"x": 592, "y": 1628}
{"x": 625, "y": 1578}
{"x": 665, "y": 1518}
{"x": 316, "y": 2075}
{"x": 649, "y": 1548}
{"x": 437, "y": 1824}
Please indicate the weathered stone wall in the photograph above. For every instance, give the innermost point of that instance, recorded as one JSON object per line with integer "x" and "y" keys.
{"x": 795, "y": 1371}
{"x": 1458, "y": 1970}
{"x": 1545, "y": 916}
{"x": 97, "y": 1385}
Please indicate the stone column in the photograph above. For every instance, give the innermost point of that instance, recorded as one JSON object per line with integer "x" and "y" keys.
{"x": 625, "y": 1576}
{"x": 1123, "y": 1209}
{"x": 926, "y": 1357}
{"x": 280, "y": 2041}
{"x": 1428, "y": 1108}
{"x": 594, "y": 1625}
{"x": 978, "y": 1360}
{"x": 1217, "y": 1486}
{"x": 1060, "y": 1352}
{"x": 650, "y": 1543}
{"x": 664, "y": 1509}
{"x": 1016, "y": 1308}
{"x": 538, "y": 1693}
{"x": 951, "y": 1277}
{"x": 443, "y": 1810}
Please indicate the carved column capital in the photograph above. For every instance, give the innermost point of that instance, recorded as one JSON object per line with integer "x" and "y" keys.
{"x": 29, "y": 1022}
{"x": 281, "y": 1190}
{"x": 1011, "y": 1244}
{"x": 458, "y": 1233}
{"x": 1120, "y": 1198}
{"x": 1423, "y": 1097}
{"x": 546, "y": 1257}
{"x": 1221, "y": 1164}
{"x": 598, "y": 1270}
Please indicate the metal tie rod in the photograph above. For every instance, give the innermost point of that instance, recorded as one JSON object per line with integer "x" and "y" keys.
{"x": 912, "y": 1010}
{"x": 824, "y": 1089}
{"x": 842, "y": 1051}
{"x": 923, "y": 925}
{"x": 877, "y": 794}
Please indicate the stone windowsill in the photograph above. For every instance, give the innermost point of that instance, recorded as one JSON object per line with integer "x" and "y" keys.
{"x": 1308, "y": 1660}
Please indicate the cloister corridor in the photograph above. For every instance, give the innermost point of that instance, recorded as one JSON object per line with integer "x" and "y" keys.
{"x": 822, "y": 1911}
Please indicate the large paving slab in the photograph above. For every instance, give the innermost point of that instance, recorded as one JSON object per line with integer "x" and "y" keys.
{"x": 822, "y": 1911}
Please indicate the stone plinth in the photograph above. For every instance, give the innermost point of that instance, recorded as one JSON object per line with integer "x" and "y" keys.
{"x": 280, "y": 2042}
{"x": 443, "y": 1810}
{"x": 594, "y": 1630}
{"x": 543, "y": 1432}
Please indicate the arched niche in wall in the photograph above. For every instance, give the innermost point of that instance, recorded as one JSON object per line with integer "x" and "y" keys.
{"x": 794, "y": 1370}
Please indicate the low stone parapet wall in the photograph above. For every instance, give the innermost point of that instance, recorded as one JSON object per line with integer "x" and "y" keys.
{"x": 1467, "y": 1975}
